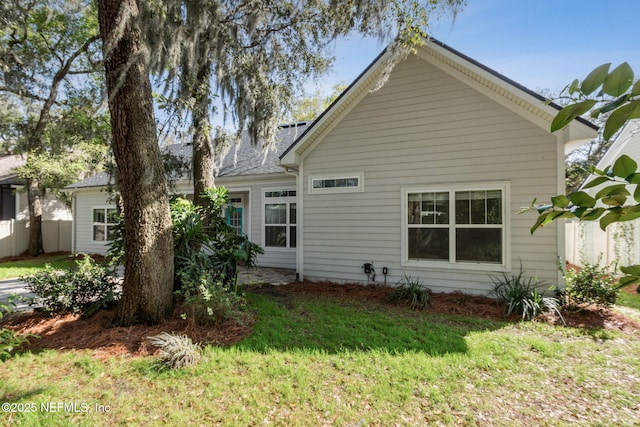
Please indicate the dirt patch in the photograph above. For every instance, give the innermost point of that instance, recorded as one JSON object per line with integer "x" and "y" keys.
{"x": 73, "y": 332}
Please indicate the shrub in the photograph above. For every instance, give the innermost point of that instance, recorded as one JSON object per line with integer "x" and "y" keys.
{"x": 9, "y": 340}
{"x": 208, "y": 302}
{"x": 593, "y": 284}
{"x": 202, "y": 239}
{"x": 412, "y": 292}
{"x": 176, "y": 351}
{"x": 84, "y": 289}
{"x": 521, "y": 296}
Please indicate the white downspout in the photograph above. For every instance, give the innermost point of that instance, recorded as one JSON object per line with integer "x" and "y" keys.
{"x": 562, "y": 139}
{"x": 299, "y": 220}
{"x": 73, "y": 222}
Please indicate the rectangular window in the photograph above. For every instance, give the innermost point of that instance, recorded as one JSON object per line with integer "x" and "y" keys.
{"x": 455, "y": 226}
{"x": 347, "y": 183}
{"x": 280, "y": 219}
{"x": 104, "y": 219}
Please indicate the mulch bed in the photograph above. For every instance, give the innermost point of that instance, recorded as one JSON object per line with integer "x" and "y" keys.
{"x": 75, "y": 257}
{"x": 73, "y": 332}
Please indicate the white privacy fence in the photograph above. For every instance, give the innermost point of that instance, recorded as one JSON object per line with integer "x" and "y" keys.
{"x": 14, "y": 236}
{"x": 586, "y": 242}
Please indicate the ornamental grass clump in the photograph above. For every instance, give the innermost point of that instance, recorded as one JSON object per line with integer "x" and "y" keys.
{"x": 176, "y": 351}
{"x": 521, "y": 296}
{"x": 412, "y": 292}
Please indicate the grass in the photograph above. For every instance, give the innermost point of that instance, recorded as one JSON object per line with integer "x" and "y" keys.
{"x": 324, "y": 362}
{"x": 14, "y": 269}
{"x": 629, "y": 299}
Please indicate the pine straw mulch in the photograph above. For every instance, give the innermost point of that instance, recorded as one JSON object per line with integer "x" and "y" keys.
{"x": 64, "y": 332}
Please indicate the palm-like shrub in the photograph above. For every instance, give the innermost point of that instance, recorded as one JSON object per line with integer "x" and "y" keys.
{"x": 521, "y": 296}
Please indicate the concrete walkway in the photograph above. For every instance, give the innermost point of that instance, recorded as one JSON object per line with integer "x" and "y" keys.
{"x": 266, "y": 276}
{"x": 14, "y": 286}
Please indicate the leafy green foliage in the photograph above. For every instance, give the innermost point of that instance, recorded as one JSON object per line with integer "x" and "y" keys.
{"x": 208, "y": 302}
{"x": 412, "y": 292}
{"x": 204, "y": 242}
{"x": 207, "y": 253}
{"x": 617, "y": 200}
{"x": 176, "y": 351}
{"x": 84, "y": 289}
{"x": 521, "y": 296}
{"x": 9, "y": 340}
{"x": 591, "y": 284}
{"x": 309, "y": 107}
{"x": 618, "y": 97}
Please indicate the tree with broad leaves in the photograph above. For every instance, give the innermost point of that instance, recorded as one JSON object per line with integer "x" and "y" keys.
{"x": 47, "y": 49}
{"x": 615, "y": 95}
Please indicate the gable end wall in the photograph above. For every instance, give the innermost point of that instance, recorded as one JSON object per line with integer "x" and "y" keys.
{"x": 424, "y": 128}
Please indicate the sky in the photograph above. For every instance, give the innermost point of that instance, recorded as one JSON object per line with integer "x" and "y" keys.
{"x": 541, "y": 44}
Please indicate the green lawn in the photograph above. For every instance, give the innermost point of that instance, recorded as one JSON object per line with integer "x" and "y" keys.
{"x": 629, "y": 297}
{"x": 13, "y": 269}
{"x": 326, "y": 362}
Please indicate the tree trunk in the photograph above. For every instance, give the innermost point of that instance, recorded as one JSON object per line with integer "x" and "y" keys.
{"x": 203, "y": 149}
{"x": 35, "y": 218}
{"x": 198, "y": 75}
{"x": 147, "y": 294}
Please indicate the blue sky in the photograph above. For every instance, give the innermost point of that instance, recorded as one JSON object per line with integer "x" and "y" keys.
{"x": 541, "y": 44}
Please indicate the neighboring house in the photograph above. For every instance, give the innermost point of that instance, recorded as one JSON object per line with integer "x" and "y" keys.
{"x": 620, "y": 242}
{"x": 9, "y": 183}
{"x": 14, "y": 214}
{"x": 420, "y": 178}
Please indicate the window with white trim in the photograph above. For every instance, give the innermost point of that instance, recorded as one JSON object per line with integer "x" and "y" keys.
{"x": 104, "y": 220}
{"x": 342, "y": 183}
{"x": 455, "y": 226}
{"x": 280, "y": 219}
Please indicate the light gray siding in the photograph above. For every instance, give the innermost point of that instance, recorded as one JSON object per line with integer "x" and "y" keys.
{"x": 254, "y": 189}
{"x": 84, "y": 202}
{"x": 251, "y": 189}
{"x": 423, "y": 128}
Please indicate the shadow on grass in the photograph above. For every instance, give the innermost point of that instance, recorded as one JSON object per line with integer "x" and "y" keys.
{"x": 20, "y": 396}
{"x": 333, "y": 326}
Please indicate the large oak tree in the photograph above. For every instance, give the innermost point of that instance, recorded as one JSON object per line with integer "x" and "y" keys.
{"x": 148, "y": 280}
{"x": 251, "y": 57}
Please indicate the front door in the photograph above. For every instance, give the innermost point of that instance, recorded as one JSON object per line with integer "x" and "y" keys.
{"x": 235, "y": 214}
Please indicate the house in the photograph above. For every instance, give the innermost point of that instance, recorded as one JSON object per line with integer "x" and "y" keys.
{"x": 620, "y": 242}
{"x": 14, "y": 214}
{"x": 9, "y": 182}
{"x": 422, "y": 177}
{"x": 257, "y": 186}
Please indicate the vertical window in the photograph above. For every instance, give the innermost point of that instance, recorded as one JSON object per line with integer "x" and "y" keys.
{"x": 479, "y": 226}
{"x": 104, "y": 219}
{"x": 455, "y": 226}
{"x": 234, "y": 214}
{"x": 280, "y": 219}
